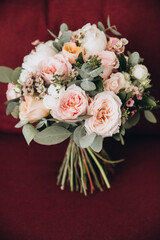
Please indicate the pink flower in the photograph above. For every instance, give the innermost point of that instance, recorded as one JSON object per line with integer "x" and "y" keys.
{"x": 71, "y": 103}
{"x": 136, "y": 92}
{"x": 57, "y": 64}
{"x": 32, "y": 109}
{"x": 109, "y": 61}
{"x": 130, "y": 103}
{"x": 114, "y": 83}
{"x": 106, "y": 111}
{"x": 71, "y": 51}
{"x": 116, "y": 45}
{"x": 11, "y": 94}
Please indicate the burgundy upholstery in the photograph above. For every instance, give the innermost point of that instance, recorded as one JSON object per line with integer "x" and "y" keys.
{"x": 32, "y": 207}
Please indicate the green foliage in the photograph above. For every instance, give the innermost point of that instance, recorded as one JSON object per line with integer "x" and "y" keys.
{"x": 94, "y": 62}
{"x": 78, "y": 133}
{"x": 52, "y": 135}
{"x": 79, "y": 60}
{"x": 88, "y": 85}
{"x": 97, "y": 144}
{"x": 150, "y": 116}
{"x": 134, "y": 59}
{"x": 132, "y": 121}
{"x": 29, "y": 132}
{"x": 101, "y": 26}
{"x": 15, "y": 75}
{"x": 10, "y": 107}
{"x": 5, "y": 74}
{"x": 87, "y": 140}
{"x": 122, "y": 63}
{"x": 63, "y": 27}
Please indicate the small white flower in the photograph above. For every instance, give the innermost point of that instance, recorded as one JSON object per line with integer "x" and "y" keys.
{"x": 55, "y": 90}
{"x": 140, "y": 72}
{"x": 49, "y": 101}
{"x": 23, "y": 76}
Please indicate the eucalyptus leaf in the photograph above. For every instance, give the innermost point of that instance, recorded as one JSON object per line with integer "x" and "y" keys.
{"x": 150, "y": 116}
{"x": 101, "y": 26}
{"x": 10, "y": 107}
{"x": 63, "y": 27}
{"x": 84, "y": 116}
{"x": 16, "y": 74}
{"x": 133, "y": 59}
{"x": 29, "y": 132}
{"x": 131, "y": 122}
{"x": 82, "y": 73}
{"x": 115, "y": 32}
{"x": 57, "y": 45}
{"x": 116, "y": 136}
{"x": 52, "y": 34}
{"x": 5, "y": 74}
{"x": 88, "y": 86}
{"x": 65, "y": 37}
{"x": 96, "y": 72}
{"x": 78, "y": 133}
{"x": 97, "y": 143}
{"x": 52, "y": 135}
{"x": 19, "y": 125}
{"x": 108, "y": 21}
{"x": 87, "y": 140}
{"x": 15, "y": 112}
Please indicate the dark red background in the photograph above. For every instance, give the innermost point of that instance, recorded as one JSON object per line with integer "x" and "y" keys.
{"x": 31, "y": 205}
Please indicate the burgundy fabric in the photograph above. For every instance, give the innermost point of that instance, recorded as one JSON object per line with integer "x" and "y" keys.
{"x": 21, "y": 22}
{"x": 32, "y": 207}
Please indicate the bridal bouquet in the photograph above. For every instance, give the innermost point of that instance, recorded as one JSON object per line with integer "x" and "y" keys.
{"x": 80, "y": 85}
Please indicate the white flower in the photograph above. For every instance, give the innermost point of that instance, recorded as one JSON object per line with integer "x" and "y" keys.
{"x": 93, "y": 40}
{"x": 49, "y": 101}
{"x": 25, "y": 74}
{"x": 43, "y": 50}
{"x": 140, "y": 72}
{"x": 127, "y": 80}
{"x": 106, "y": 111}
{"x": 55, "y": 90}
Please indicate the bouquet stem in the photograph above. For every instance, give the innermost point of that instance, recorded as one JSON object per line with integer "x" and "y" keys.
{"x": 83, "y": 167}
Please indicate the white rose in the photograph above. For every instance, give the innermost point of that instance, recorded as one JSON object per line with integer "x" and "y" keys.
{"x": 140, "y": 72}
{"x": 115, "y": 82}
{"x": 43, "y": 50}
{"x": 94, "y": 40}
{"x": 106, "y": 111}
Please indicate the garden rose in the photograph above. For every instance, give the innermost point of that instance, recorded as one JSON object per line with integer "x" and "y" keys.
{"x": 70, "y": 104}
{"x": 32, "y": 109}
{"x": 106, "y": 111}
{"x": 114, "y": 83}
{"x": 92, "y": 39}
{"x": 11, "y": 94}
{"x": 109, "y": 61}
{"x": 57, "y": 64}
{"x": 140, "y": 72}
{"x": 71, "y": 51}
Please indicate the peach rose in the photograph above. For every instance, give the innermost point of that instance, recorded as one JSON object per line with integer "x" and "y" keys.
{"x": 57, "y": 64}
{"x": 109, "y": 61}
{"x": 71, "y": 51}
{"x": 71, "y": 103}
{"x": 114, "y": 83}
{"x": 11, "y": 94}
{"x": 106, "y": 111}
{"x": 32, "y": 109}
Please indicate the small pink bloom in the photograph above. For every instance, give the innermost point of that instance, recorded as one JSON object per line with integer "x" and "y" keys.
{"x": 11, "y": 94}
{"x": 136, "y": 92}
{"x": 116, "y": 45}
{"x": 57, "y": 64}
{"x": 109, "y": 61}
{"x": 71, "y": 103}
{"x": 130, "y": 103}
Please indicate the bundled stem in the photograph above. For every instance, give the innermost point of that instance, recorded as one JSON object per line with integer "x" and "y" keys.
{"x": 82, "y": 166}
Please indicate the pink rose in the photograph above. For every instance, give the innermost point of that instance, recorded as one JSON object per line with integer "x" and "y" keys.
{"x": 71, "y": 51}
{"x": 114, "y": 83}
{"x": 106, "y": 111}
{"x": 32, "y": 109}
{"x": 109, "y": 61}
{"x": 116, "y": 45}
{"x": 57, "y": 64}
{"x": 71, "y": 103}
{"x": 11, "y": 94}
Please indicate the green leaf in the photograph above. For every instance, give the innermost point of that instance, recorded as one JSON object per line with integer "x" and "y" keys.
{"x": 63, "y": 27}
{"x": 10, "y": 107}
{"x": 65, "y": 37}
{"x": 5, "y": 74}
{"x": 52, "y": 34}
{"x": 87, "y": 140}
{"x": 133, "y": 59}
{"x": 97, "y": 144}
{"x": 57, "y": 45}
{"x": 101, "y": 26}
{"x": 82, "y": 73}
{"x": 116, "y": 136}
{"x": 122, "y": 62}
{"x": 108, "y": 21}
{"x": 88, "y": 86}
{"x": 29, "y": 132}
{"x": 121, "y": 139}
{"x": 78, "y": 133}
{"x": 96, "y": 72}
{"x": 128, "y": 96}
{"x": 16, "y": 74}
{"x": 84, "y": 116}
{"x": 122, "y": 130}
{"x": 131, "y": 122}
{"x": 115, "y": 32}
{"x": 19, "y": 125}
{"x": 150, "y": 116}
{"x": 15, "y": 112}
{"x": 52, "y": 135}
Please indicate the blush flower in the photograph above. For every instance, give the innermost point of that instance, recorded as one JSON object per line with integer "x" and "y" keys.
{"x": 116, "y": 45}
{"x": 11, "y": 93}
{"x": 114, "y": 83}
{"x": 106, "y": 111}
{"x": 71, "y": 104}
{"x": 71, "y": 51}
{"x": 109, "y": 61}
